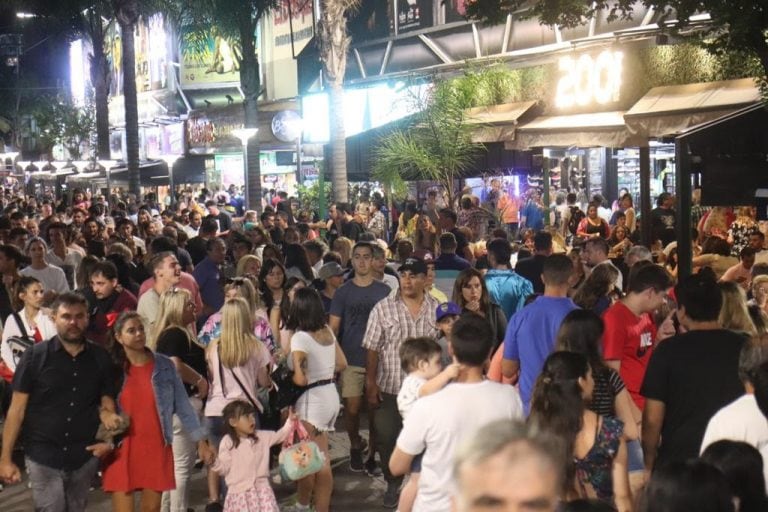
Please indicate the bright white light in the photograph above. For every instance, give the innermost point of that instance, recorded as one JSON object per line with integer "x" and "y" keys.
{"x": 25, "y": 15}
{"x": 244, "y": 134}
{"x": 77, "y": 72}
{"x": 589, "y": 79}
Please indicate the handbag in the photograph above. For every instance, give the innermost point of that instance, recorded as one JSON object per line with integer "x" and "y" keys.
{"x": 299, "y": 458}
{"x": 19, "y": 344}
{"x": 287, "y": 392}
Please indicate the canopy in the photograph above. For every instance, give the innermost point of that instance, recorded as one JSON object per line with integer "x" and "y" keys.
{"x": 604, "y": 129}
{"x": 497, "y": 122}
{"x": 671, "y": 109}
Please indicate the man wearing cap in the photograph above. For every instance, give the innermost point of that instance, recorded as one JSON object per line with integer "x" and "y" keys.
{"x": 350, "y": 308}
{"x": 332, "y": 276}
{"x": 429, "y": 259}
{"x": 410, "y": 314}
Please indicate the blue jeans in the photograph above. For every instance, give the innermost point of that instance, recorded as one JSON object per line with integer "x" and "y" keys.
{"x": 54, "y": 490}
{"x": 635, "y": 460}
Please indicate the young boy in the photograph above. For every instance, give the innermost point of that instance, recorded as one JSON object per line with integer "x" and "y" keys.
{"x": 446, "y": 314}
{"x": 421, "y": 359}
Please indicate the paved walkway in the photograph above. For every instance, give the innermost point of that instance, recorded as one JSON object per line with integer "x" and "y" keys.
{"x": 353, "y": 492}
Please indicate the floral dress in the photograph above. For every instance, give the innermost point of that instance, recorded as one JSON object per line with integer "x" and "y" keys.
{"x": 740, "y": 232}
{"x": 594, "y": 477}
{"x": 261, "y": 329}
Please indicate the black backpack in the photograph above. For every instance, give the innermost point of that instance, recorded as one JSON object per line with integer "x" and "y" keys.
{"x": 576, "y": 217}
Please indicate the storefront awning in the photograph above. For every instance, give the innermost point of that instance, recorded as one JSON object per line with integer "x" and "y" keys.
{"x": 605, "y": 129}
{"x": 669, "y": 110}
{"x": 497, "y": 123}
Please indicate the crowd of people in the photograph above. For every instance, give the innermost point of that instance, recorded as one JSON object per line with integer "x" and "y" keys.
{"x": 503, "y": 354}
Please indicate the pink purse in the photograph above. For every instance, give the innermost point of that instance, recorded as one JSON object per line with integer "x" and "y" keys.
{"x": 300, "y": 457}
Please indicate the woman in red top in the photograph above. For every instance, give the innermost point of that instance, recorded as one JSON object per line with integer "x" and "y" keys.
{"x": 151, "y": 394}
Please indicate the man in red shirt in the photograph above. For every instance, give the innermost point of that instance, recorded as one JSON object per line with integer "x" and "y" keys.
{"x": 630, "y": 331}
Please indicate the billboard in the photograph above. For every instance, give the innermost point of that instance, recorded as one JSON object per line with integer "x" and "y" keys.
{"x": 151, "y": 51}
{"x": 287, "y": 30}
{"x": 209, "y": 58}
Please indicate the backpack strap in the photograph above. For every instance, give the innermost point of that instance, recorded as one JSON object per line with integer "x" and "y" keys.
{"x": 20, "y": 323}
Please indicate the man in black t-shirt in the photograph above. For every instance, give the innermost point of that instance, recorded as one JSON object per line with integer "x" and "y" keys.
{"x": 690, "y": 376}
{"x": 447, "y": 220}
{"x": 664, "y": 219}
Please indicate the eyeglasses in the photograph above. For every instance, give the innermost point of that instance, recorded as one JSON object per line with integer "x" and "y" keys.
{"x": 235, "y": 280}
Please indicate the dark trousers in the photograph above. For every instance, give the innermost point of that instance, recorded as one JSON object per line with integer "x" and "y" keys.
{"x": 388, "y": 424}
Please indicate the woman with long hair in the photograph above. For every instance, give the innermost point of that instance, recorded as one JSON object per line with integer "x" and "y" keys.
{"x": 626, "y": 207}
{"x": 406, "y": 224}
{"x": 425, "y": 237}
{"x": 734, "y": 314}
{"x": 297, "y": 263}
{"x": 155, "y": 400}
{"x": 272, "y": 251}
{"x": 272, "y": 288}
{"x": 685, "y": 487}
{"x": 316, "y": 358}
{"x": 742, "y": 466}
{"x": 594, "y": 445}
{"x": 582, "y": 332}
{"x": 280, "y": 316}
{"x": 619, "y": 242}
{"x": 593, "y": 226}
{"x": 29, "y": 321}
{"x": 175, "y": 339}
{"x": 53, "y": 279}
{"x": 597, "y": 292}
{"x": 238, "y": 365}
{"x": 471, "y": 294}
{"x": 343, "y": 246}
{"x": 240, "y": 287}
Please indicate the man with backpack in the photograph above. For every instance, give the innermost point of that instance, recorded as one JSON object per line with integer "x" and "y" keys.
{"x": 573, "y": 216}
{"x": 63, "y": 389}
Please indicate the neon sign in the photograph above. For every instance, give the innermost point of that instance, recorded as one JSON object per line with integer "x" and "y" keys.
{"x": 589, "y": 80}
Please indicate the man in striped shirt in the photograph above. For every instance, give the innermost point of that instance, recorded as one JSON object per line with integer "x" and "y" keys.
{"x": 411, "y": 313}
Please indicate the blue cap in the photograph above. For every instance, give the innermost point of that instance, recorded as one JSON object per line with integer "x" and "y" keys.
{"x": 445, "y": 309}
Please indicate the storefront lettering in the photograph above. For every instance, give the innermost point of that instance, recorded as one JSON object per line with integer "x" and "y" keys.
{"x": 589, "y": 80}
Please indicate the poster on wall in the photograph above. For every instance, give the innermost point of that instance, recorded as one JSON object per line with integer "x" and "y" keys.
{"x": 296, "y": 15}
{"x": 151, "y": 50}
{"x": 209, "y": 58}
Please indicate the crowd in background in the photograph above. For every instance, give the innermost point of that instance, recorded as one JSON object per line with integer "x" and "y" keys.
{"x": 139, "y": 338}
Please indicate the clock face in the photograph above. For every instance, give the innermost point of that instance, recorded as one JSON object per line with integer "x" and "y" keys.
{"x": 286, "y": 125}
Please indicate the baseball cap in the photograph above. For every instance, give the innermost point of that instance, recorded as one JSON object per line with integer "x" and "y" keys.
{"x": 413, "y": 265}
{"x": 445, "y": 309}
{"x": 330, "y": 269}
{"x": 424, "y": 255}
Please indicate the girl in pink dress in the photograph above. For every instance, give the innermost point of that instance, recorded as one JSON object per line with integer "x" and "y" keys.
{"x": 243, "y": 459}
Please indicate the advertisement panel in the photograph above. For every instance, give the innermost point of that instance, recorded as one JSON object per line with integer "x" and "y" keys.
{"x": 287, "y": 30}
{"x": 209, "y": 59}
{"x": 151, "y": 49}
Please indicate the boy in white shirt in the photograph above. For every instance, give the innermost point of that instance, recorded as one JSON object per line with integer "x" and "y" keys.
{"x": 421, "y": 359}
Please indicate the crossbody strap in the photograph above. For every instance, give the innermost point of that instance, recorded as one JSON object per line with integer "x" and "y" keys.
{"x": 20, "y": 323}
{"x": 237, "y": 379}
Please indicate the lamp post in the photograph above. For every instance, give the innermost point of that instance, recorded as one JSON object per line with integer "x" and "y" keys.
{"x": 244, "y": 134}
{"x": 170, "y": 160}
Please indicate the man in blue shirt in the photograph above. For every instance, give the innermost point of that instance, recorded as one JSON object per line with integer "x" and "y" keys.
{"x": 208, "y": 276}
{"x": 505, "y": 287}
{"x": 532, "y": 216}
{"x": 448, "y": 260}
{"x": 532, "y": 331}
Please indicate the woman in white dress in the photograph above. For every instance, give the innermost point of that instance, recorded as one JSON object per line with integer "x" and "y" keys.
{"x": 316, "y": 357}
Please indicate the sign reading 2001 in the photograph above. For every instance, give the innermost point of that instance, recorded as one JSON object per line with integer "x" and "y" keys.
{"x": 589, "y": 79}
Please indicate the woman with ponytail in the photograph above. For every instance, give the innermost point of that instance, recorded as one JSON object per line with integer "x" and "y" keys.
{"x": 594, "y": 445}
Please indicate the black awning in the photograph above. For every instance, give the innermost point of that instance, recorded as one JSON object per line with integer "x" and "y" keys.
{"x": 200, "y": 99}
{"x": 189, "y": 170}
{"x": 151, "y": 174}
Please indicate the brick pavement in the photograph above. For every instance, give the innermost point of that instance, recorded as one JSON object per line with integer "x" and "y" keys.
{"x": 353, "y": 492}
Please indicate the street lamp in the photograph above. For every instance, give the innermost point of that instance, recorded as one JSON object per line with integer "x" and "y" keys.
{"x": 244, "y": 134}
{"x": 170, "y": 160}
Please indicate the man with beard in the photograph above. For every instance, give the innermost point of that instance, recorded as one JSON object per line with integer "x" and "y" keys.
{"x": 62, "y": 390}
{"x": 110, "y": 301}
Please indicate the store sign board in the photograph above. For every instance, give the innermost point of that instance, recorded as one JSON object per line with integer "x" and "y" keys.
{"x": 151, "y": 49}
{"x": 208, "y": 59}
{"x": 589, "y": 80}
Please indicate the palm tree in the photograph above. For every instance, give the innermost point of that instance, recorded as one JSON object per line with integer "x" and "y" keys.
{"x": 334, "y": 43}
{"x": 127, "y": 14}
{"x": 236, "y": 20}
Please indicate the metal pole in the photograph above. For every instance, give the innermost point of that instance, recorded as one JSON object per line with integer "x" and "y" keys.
{"x": 170, "y": 187}
{"x": 645, "y": 196}
{"x": 298, "y": 160}
{"x": 246, "y": 199}
{"x": 683, "y": 192}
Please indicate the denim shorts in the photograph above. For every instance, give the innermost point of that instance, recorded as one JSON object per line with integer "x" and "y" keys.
{"x": 635, "y": 460}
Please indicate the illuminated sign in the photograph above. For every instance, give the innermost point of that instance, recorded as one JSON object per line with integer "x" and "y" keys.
{"x": 589, "y": 79}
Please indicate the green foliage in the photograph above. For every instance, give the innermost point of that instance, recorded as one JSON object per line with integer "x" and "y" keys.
{"x": 436, "y": 142}
{"x": 62, "y": 122}
{"x": 309, "y": 196}
{"x": 738, "y": 28}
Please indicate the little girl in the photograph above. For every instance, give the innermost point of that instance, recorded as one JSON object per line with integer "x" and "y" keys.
{"x": 243, "y": 459}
